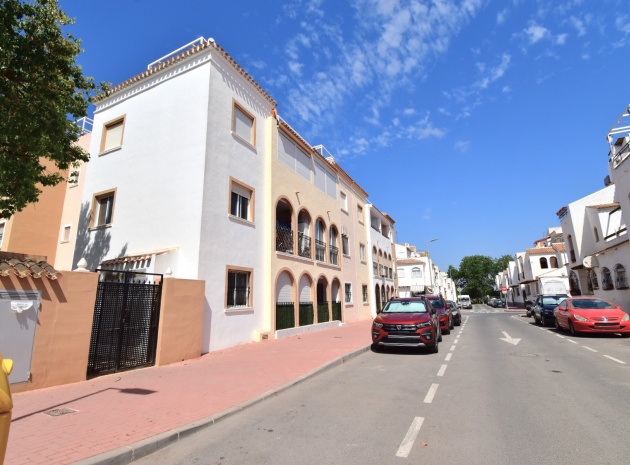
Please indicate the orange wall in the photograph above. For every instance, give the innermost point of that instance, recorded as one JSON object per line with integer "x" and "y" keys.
{"x": 64, "y": 327}
{"x": 181, "y": 320}
{"x": 35, "y": 230}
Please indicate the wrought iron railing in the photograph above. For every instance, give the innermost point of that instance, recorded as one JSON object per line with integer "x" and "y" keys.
{"x": 322, "y": 312}
{"x": 307, "y": 313}
{"x": 320, "y": 251}
{"x": 336, "y": 311}
{"x": 334, "y": 255}
{"x": 285, "y": 315}
{"x": 304, "y": 245}
{"x": 607, "y": 282}
{"x": 284, "y": 239}
{"x": 621, "y": 282}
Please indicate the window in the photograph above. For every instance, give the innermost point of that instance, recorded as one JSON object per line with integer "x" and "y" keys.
{"x": 103, "y": 208}
{"x": 345, "y": 244}
{"x": 416, "y": 272}
{"x": 362, "y": 252}
{"x": 543, "y": 263}
{"x": 293, "y": 157}
{"x": 621, "y": 281}
{"x": 325, "y": 180}
{"x": 113, "y": 135}
{"x": 348, "y": 289}
{"x": 344, "y": 201}
{"x": 365, "y": 293}
{"x": 238, "y": 288}
{"x": 240, "y": 201}
{"x": 65, "y": 233}
{"x": 607, "y": 283}
{"x": 360, "y": 213}
{"x": 243, "y": 125}
{"x": 401, "y": 272}
{"x": 2, "y": 225}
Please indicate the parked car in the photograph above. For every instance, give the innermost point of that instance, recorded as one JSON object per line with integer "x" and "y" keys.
{"x": 543, "y": 308}
{"x": 497, "y": 303}
{"x": 456, "y": 313}
{"x": 591, "y": 315}
{"x": 406, "y": 322}
{"x": 443, "y": 312}
{"x": 529, "y": 304}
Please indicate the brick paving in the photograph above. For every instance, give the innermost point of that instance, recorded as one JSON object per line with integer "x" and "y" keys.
{"x": 119, "y": 415}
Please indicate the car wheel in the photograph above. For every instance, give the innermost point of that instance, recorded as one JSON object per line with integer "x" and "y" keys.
{"x": 434, "y": 349}
{"x": 535, "y": 318}
{"x": 543, "y": 322}
{"x": 572, "y": 329}
{"x": 439, "y": 339}
{"x": 556, "y": 324}
{"x": 376, "y": 348}
{"x": 452, "y": 324}
{"x": 447, "y": 331}
{"x": 458, "y": 322}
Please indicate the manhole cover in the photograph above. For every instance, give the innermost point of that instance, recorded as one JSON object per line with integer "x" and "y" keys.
{"x": 59, "y": 411}
{"x": 523, "y": 354}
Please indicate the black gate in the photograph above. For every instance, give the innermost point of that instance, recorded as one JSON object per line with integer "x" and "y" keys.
{"x": 125, "y": 326}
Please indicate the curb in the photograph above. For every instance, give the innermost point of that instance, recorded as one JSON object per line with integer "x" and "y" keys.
{"x": 137, "y": 450}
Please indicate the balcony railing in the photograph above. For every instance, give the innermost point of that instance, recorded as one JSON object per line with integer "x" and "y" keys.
{"x": 307, "y": 313}
{"x": 320, "y": 251}
{"x": 336, "y": 311}
{"x": 285, "y": 315}
{"x": 334, "y": 255}
{"x": 304, "y": 246}
{"x": 322, "y": 312}
{"x": 621, "y": 282}
{"x": 284, "y": 239}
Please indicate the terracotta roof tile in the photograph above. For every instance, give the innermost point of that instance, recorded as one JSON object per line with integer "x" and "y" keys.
{"x": 559, "y": 246}
{"x": 24, "y": 267}
{"x": 197, "y": 49}
{"x": 409, "y": 261}
{"x": 540, "y": 251}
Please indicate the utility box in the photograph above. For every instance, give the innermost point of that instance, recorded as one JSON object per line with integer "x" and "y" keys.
{"x": 18, "y": 320}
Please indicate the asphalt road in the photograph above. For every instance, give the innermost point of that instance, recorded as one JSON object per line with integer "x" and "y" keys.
{"x": 500, "y": 391}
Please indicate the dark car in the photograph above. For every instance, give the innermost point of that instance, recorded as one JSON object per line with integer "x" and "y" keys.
{"x": 543, "y": 308}
{"x": 456, "y": 314}
{"x": 406, "y": 322}
{"x": 443, "y": 312}
{"x": 496, "y": 303}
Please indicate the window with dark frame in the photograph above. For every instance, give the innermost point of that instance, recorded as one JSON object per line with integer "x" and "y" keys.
{"x": 348, "y": 289}
{"x": 238, "y": 288}
{"x": 240, "y": 202}
{"x": 104, "y": 209}
{"x": 365, "y": 293}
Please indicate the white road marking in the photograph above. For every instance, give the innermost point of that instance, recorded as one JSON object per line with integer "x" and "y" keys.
{"x": 429, "y": 397}
{"x": 410, "y": 438}
{"x": 588, "y": 348}
{"x": 615, "y": 360}
{"x": 455, "y": 341}
{"x": 571, "y": 340}
{"x": 561, "y": 337}
{"x": 448, "y": 357}
{"x": 452, "y": 347}
{"x": 442, "y": 370}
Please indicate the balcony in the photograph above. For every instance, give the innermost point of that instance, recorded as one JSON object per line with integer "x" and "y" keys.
{"x": 304, "y": 246}
{"x": 334, "y": 255}
{"x": 320, "y": 251}
{"x": 284, "y": 239}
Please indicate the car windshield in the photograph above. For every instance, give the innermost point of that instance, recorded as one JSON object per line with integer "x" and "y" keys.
{"x": 552, "y": 300}
{"x": 436, "y": 303}
{"x": 405, "y": 306}
{"x": 594, "y": 304}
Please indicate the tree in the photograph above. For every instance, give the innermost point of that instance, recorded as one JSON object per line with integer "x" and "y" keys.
{"x": 476, "y": 275}
{"x": 42, "y": 92}
{"x": 502, "y": 263}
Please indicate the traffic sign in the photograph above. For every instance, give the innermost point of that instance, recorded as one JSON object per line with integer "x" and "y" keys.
{"x": 503, "y": 289}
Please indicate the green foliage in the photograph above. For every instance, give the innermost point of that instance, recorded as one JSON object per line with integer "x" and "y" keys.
{"x": 42, "y": 92}
{"x": 476, "y": 274}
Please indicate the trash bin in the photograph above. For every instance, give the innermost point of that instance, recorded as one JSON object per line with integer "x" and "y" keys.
{"x": 6, "y": 404}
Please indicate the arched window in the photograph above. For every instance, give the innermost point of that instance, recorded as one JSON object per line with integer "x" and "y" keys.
{"x": 416, "y": 272}
{"x": 621, "y": 282}
{"x": 607, "y": 282}
{"x": 574, "y": 284}
{"x": 543, "y": 262}
{"x": 592, "y": 276}
{"x": 553, "y": 261}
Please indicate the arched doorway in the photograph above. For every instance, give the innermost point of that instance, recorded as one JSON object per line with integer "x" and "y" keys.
{"x": 285, "y": 306}
{"x": 323, "y": 313}
{"x": 306, "y": 312}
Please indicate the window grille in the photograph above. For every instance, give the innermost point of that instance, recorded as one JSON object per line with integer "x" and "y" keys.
{"x": 621, "y": 282}
{"x": 607, "y": 282}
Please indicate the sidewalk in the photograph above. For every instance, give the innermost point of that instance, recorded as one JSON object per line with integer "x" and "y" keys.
{"x": 117, "y": 417}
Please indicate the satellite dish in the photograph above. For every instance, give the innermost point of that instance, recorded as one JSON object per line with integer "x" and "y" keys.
{"x": 590, "y": 261}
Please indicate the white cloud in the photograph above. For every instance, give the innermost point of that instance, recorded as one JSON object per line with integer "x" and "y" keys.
{"x": 561, "y": 39}
{"x": 502, "y": 16}
{"x": 409, "y": 112}
{"x": 295, "y": 67}
{"x": 462, "y": 145}
{"x": 535, "y": 33}
{"x": 579, "y": 26}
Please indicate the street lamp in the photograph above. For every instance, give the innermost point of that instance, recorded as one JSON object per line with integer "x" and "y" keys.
{"x": 430, "y": 264}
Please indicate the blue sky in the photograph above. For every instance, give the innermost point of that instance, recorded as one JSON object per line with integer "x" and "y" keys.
{"x": 470, "y": 121}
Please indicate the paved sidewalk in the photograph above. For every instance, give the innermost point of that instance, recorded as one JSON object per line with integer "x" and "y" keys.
{"x": 117, "y": 417}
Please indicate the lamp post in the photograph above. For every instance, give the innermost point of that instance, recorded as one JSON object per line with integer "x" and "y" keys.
{"x": 430, "y": 263}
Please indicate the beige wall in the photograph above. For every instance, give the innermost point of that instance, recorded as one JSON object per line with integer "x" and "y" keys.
{"x": 64, "y": 326}
{"x": 181, "y": 320}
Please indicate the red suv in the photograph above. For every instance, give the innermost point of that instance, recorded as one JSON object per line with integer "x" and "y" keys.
{"x": 406, "y": 322}
{"x": 443, "y": 312}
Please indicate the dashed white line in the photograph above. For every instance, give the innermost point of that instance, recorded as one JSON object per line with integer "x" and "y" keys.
{"x": 452, "y": 347}
{"x": 455, "y": 341}
{"x": 571, "y": 340}
{"x": 561, "y": 337}
{"x": 432, "y": 390}
{"x": 588, "y": 348}
{"x": 615, "y": 360}
{"x": 442, "y": 370}
{"x": 448, "y": 357}
{"x": 410, "y": 438}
